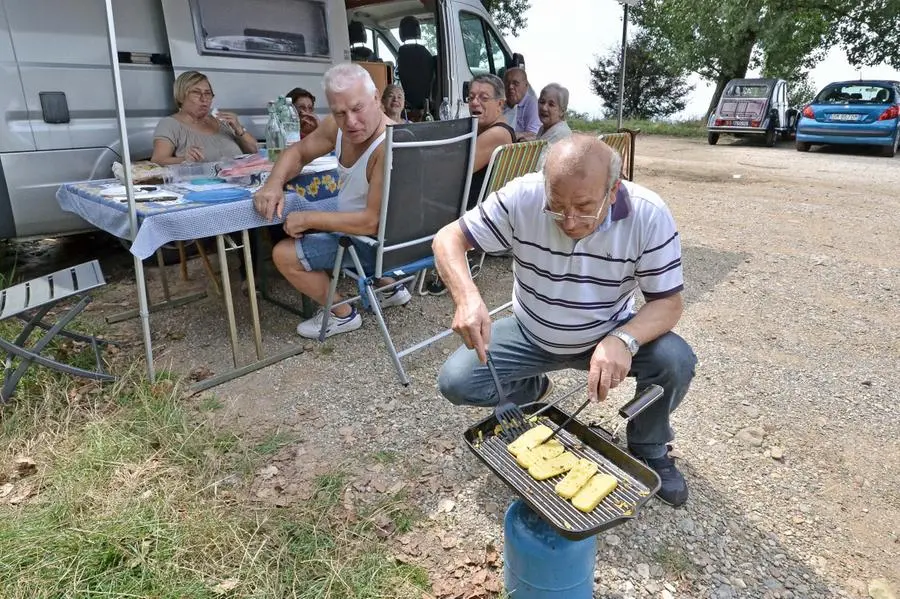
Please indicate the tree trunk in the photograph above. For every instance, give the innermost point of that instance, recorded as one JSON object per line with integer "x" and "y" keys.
{"x": 737, "y": 70}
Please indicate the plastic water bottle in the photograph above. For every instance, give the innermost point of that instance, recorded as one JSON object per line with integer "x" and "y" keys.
{"x": 274, "y": 134}
{"x": 444, "y": 110}
{"x": 290, "y": 121}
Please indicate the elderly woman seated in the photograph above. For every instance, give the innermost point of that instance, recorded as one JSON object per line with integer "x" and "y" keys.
{"x": 393, "y": 102}
{"x": 552, "y": 105}
{"x": 193, "y": 134}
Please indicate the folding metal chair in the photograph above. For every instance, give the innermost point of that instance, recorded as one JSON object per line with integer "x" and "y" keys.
{"x": 623, "y": 143}
{"x": 30, "y": 302}
{"x": 508, "y": 162}
{"x": 427, "y": 173}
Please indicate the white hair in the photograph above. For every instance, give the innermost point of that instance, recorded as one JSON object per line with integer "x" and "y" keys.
{"x": 562, "y": 96}
{"x": 342, "y": 77}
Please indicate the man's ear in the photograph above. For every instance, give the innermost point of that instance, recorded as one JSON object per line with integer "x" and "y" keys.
{"x": 615, "y": 191}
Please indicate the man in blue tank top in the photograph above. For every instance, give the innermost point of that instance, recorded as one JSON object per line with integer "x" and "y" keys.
{"x": 354, "y": 130}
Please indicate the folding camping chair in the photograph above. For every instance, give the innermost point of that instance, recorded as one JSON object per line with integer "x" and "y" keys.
{"x": 427, "y": 172}
{"x": 623, "y": 143}
{"x": 508, "y": 162}
{"x": 30, "y": 302}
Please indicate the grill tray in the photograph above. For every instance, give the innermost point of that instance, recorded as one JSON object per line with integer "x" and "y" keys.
{"x": 637, "y": 482}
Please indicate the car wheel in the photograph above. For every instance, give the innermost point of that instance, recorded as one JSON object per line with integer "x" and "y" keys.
{"x": 891, "y": 150}
{"x": 770, "y": 138}
{"x": 712, "y": 138}
{"x": 803, "y": 146}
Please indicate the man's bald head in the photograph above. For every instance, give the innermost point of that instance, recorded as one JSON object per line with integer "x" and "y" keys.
{"x": 583, "y": 157}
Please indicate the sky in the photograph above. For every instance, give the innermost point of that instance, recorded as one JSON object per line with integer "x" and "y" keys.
{"x": 561, "y": 50}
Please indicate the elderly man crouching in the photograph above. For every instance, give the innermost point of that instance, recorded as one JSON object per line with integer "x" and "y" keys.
{"x": 583, "y": 242}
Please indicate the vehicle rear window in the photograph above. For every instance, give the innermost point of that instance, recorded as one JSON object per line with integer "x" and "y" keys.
{"x": 287, "y": 29}
{"x": 747, "y": 91}
{"x": 855, "y": 94}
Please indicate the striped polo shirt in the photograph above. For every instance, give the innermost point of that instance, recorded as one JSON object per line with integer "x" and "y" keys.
{"x": 569, "y": 294}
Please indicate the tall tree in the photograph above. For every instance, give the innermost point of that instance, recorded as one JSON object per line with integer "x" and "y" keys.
{"x": 653, "y": 87}
{"x": 509, "y": 15}
{"x": 722, "y": 39}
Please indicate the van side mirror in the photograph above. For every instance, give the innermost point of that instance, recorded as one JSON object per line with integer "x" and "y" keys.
{"x": 465, "y": 90}
{"x": 517, "y": 60}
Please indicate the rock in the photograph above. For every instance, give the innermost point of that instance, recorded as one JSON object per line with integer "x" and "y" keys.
{"x": 686, "y": 525}
{"x": 857, "y": 586}
{"x": 776, "y": 453}
{"x": 880, "y": 588}
{"x": 652, "y": 587}
{"x": 751, "y": 411}
{"x": 613, "y": 540}
{"x": 446, "y": 505}
{"x": 752, "y": 435}
{"x": 666, "y": 594}
{"x": 643, "y": 570}
{"x": 739, "y": 583}
{"x": 724, "y": 592}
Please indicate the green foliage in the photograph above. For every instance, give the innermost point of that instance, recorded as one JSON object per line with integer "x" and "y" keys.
{"x": 722, "y": 39}
{"x": 654, "y": 89}
{"x": 508, "y": 15}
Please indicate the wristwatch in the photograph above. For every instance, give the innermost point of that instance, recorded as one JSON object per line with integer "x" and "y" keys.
{"x": 630, "y": 342}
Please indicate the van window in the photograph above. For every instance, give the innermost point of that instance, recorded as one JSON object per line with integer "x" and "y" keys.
{"x": 429, "y": 36}
{"x": 287, "y": 29}
{"x": 484, "y": 52}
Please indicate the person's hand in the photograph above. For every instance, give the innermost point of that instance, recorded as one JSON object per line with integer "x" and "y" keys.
{"x": 473, "y": 323}
{"x": 269, "y": 201}
{"x": 231, "y": 119}
{"x": 308, "y": 124}
{"x": 194, "y": 154}
{"x": 295, "y": 224}
{"x": 610, "y": 365}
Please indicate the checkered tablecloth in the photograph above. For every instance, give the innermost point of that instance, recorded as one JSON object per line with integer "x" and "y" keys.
{"x": 163, "y": 222}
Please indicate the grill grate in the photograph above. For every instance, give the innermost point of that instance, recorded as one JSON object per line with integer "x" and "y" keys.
{"x": 637, "y": 483}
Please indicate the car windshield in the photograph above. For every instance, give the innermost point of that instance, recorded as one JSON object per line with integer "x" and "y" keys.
{"x": 745, "y": 90}
{"x": 855, "y": 94}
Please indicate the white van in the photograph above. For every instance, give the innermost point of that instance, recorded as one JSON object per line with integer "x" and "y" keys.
{"x": 56, "y": 87}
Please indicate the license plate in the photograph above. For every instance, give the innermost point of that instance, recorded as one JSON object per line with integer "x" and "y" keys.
{"x": 845, "y": 117}
{"x": 740, "y": 123}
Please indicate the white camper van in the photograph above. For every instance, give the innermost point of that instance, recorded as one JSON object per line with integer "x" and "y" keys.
{"x": 56, "y": 87}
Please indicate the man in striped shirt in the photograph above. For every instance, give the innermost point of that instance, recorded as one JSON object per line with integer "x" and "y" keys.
{"x": 583, "y": 242}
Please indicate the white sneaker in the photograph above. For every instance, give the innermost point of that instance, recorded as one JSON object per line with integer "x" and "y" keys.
{"x": 398, "y": 296}
{"x": 311, "y": 328}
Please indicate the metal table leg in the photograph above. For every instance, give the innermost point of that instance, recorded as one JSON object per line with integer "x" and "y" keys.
{"x": 251, "y": 292}
{"x": 226, "y": 293}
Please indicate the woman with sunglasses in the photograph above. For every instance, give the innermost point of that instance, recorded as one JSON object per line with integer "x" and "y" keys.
{"x": 193, "y": 134}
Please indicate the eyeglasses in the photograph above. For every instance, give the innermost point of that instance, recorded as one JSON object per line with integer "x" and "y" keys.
{"x": 200, "y": 95}
{"x": 482, "y": 98}
{"x": 559, "y": 217}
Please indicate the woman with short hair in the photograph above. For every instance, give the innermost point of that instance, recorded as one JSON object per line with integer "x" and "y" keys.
{"x": 552, "y": 106}
{"x": 194, "y": 134}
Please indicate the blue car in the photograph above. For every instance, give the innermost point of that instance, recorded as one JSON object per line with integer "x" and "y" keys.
{"x": 853, "y": 112}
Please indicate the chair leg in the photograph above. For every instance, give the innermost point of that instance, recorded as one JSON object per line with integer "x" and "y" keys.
{"x": 208, "y": 267}
{"x": 475, "y": 269}
{"x": 388, "y": 342}
{"x": 29, "y": 356}
{"x": 332, "y": 289}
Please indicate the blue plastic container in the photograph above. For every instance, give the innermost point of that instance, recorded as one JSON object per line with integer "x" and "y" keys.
{"x": 538, "y": 563}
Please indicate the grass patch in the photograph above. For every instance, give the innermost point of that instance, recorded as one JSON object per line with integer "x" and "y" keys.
{"x": 384, "y": 457}
{"x": 122, "y": 506}
{"x": 674, "y": 129}
{"x": 272, "y": 442}
{"x": 674, "y": 561}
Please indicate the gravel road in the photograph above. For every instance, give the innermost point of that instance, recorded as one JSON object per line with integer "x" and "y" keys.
{"x": 789, "y": 437}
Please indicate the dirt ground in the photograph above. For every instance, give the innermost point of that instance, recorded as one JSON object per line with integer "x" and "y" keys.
{"x": 789, "y": 437}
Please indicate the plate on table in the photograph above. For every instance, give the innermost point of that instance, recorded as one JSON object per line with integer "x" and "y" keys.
{"x": 213, "y": 196}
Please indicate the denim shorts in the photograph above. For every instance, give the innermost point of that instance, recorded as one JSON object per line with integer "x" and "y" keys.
{"x": 318, "y": 251}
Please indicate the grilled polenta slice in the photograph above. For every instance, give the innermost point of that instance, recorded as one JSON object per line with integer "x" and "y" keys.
{"x": 576, "y": 478}
{"x": 530, "y": 439}
{"x": 544, "y": 451}
{"x": 596, "y": 489}
{"x": 544, "y": 469}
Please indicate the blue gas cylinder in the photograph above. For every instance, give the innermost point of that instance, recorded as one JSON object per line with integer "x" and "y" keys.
{"x": 538, "y": 563}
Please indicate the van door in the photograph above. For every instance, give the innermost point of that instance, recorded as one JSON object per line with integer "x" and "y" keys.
{"x": 477, "y": 48}
{"x": 255, "y": 50}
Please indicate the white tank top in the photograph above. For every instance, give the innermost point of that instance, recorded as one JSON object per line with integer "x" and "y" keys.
{"x": 354, "y": 184}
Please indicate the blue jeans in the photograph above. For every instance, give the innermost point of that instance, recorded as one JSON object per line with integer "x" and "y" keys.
{"x": 667, "y": 361}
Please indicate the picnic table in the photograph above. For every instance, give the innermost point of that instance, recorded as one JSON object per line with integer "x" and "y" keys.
{"x": 172, "y": 212}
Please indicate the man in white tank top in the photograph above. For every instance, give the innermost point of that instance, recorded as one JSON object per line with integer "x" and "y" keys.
{"x": 354, "y": 131}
